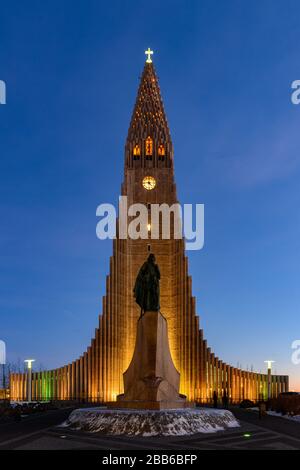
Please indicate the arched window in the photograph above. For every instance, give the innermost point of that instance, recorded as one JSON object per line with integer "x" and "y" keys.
{"x": 136, "y": 150}
{"x": 161, "y": 150}
{"x": 149, "y": 146}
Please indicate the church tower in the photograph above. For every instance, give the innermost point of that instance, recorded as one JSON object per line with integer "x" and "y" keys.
{"x": 149, "y": 179}
{"x": 98, "y": 374}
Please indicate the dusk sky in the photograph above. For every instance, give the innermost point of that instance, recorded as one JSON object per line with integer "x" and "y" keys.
{"x": 225, "y": 69}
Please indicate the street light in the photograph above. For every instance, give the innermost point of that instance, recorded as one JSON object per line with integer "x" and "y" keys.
{"x": 29, "y": 377}
{"x": 269, "y": 365}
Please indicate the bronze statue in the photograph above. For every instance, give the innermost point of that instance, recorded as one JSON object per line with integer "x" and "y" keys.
{"x": 146, "y": 288}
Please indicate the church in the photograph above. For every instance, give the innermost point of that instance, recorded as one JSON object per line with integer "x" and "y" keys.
{"x": 97, "y": 375}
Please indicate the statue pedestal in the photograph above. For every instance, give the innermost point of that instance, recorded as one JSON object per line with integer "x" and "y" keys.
{"x": 151, "y": 380}
{"x": 151, "y": 404}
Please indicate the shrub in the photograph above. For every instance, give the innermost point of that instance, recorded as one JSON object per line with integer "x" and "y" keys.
{"x": 246, "y": 404}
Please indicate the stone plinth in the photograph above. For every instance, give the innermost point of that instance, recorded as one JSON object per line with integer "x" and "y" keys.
{"x": 151, "y": 380}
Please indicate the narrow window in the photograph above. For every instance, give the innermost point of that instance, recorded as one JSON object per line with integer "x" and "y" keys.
{"x": 149, "y": 146}
{"x": 136, "y": 150}
{"x": 161, "y": 150}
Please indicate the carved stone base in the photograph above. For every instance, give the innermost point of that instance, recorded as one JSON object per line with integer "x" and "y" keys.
{"x": 151, "y": 380}
{"x": 150, "y": 405}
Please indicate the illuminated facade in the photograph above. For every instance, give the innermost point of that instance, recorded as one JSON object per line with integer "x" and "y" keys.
{"x": 98, "y": 374}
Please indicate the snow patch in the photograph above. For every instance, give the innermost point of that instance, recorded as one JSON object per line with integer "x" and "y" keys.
{"x": 149, "y": 423}
{"x": 280, "y": 415}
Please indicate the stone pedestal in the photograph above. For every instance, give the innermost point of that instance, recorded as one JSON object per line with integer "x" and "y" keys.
{"x": 151, "y": 380}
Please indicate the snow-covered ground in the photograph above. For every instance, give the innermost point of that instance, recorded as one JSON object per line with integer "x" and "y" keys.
{"x": 151, "y": 423}
{"x": 292, "y": 418}
{"x": 14, "y": 403}
{"x": 279, "y": 415}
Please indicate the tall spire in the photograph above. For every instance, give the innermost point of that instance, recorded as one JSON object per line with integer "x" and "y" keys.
{"x": 149, "y": 136}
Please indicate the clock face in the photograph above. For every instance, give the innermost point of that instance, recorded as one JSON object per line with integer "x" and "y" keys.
{"x": 149, "y": 182}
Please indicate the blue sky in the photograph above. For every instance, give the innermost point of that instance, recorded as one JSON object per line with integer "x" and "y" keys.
{"x": 225, "y": 70}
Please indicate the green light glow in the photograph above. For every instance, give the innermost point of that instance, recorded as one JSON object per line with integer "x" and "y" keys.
{"x": 247, "y": 434}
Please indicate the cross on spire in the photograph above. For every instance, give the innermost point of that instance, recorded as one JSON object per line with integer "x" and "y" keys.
{"x": 149, "y": 53}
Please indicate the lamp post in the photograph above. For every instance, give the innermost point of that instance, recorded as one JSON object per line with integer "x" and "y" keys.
{"x": 29, "y": 378}
{"x": 269, "y": 365}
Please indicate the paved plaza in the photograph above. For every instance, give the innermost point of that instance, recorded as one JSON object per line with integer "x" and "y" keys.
{"x": 43, "y": 433}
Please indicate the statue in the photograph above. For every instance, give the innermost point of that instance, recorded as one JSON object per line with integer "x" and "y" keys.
{"x": 146, "y": 288}
{"x": 151, "y": 382}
